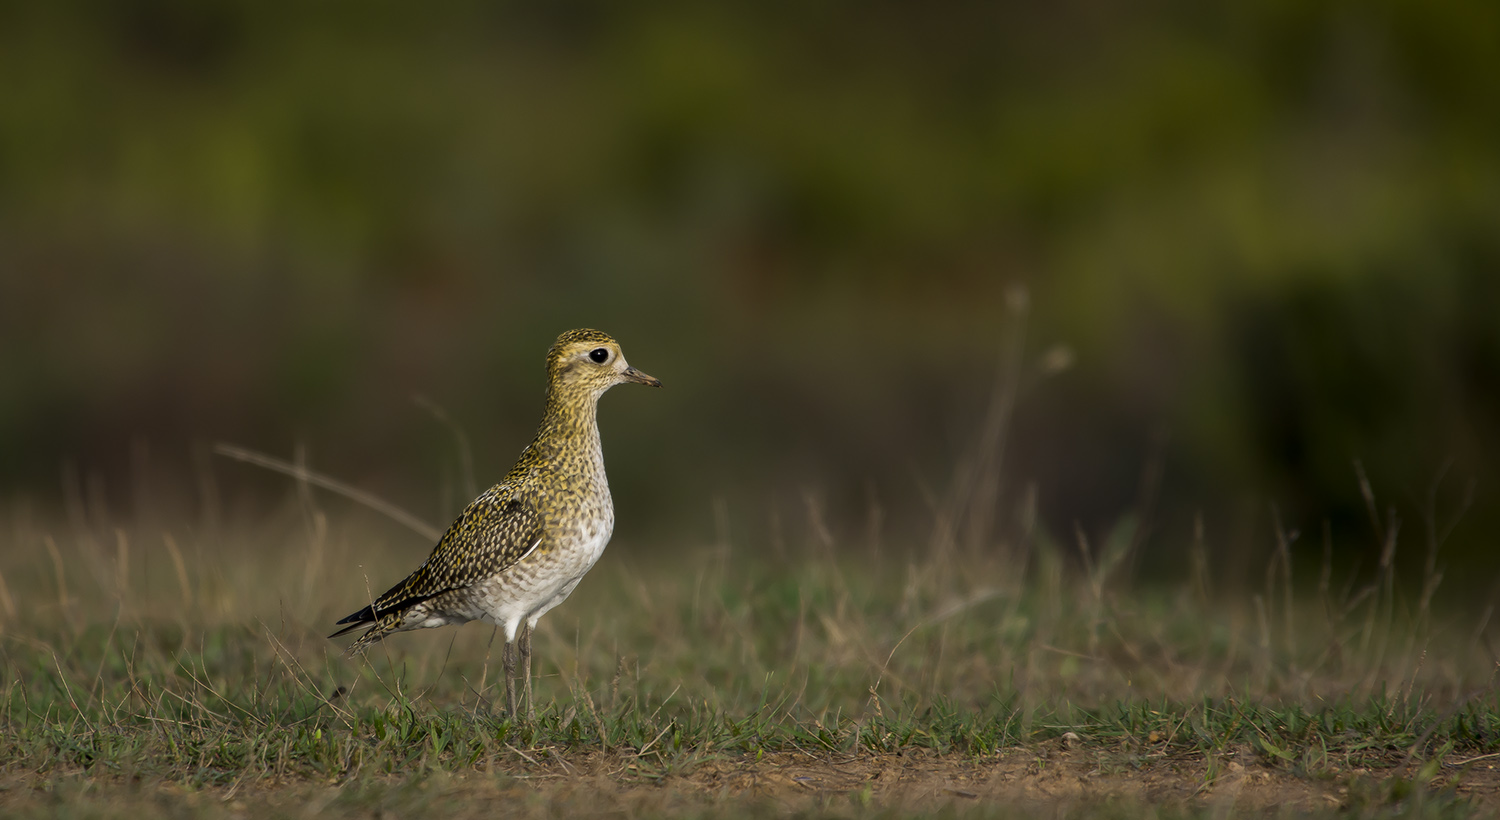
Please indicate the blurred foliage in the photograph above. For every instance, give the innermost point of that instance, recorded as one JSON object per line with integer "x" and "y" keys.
{"x": 1267, "y": 232}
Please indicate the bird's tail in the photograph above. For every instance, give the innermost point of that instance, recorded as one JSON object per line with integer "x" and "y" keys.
{"x": 365, "y": 641}
{"x": 365, "y": 617}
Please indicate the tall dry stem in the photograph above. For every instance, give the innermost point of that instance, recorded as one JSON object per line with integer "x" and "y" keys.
{"x": 977, "y": 477}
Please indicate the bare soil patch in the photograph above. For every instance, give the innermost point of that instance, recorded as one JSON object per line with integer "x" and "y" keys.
{"x": 1049, "y": 780}
{"x": 1056, "y": 775}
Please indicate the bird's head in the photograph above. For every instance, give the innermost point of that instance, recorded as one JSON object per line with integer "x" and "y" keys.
{"x": 592, "y": 361}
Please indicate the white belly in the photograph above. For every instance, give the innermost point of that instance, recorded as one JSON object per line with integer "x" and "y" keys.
{"x": 527, "y": 591}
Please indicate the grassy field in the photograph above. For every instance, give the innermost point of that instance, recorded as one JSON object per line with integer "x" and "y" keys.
{"x": 183, "y": 671}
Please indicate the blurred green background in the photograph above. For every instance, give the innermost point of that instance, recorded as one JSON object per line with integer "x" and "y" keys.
{"x": 1265, "y": 235}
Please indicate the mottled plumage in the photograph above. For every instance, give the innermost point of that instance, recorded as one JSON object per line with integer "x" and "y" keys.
{"x": 522, "y": 546}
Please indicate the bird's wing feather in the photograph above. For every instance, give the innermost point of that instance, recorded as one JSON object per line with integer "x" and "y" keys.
{"x": 493, "y": 533}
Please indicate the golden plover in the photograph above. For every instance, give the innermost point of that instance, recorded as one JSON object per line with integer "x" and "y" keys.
{"x": 522, "y": 546}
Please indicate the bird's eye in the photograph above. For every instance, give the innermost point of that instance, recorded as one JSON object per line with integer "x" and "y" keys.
{"x": 599, "y": 354}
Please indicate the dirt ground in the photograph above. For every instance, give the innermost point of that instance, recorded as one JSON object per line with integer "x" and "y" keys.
{"x": 1058, "y": 775}
{"x": 1051, "y": 780}
{"x": 1064, "y": 776}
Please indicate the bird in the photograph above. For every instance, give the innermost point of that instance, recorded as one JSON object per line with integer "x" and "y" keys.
{"x": 522, "y": 546}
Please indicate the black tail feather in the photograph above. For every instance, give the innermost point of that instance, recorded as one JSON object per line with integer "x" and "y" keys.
{"x": 355, "y": 621}
{"x": 366, "y": 614}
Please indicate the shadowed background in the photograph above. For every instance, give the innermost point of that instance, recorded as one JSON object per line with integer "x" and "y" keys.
{"x": 1260, "y": 240}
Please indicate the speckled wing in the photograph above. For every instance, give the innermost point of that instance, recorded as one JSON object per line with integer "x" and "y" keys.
{"x": 495, "y": 531}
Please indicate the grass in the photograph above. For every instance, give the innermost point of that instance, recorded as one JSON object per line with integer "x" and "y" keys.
{"x": 165, "y": 675}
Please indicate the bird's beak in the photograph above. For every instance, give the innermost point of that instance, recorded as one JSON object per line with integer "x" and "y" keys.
{"x": 633, "y": 375}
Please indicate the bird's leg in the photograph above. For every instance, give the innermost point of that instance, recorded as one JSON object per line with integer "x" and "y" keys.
{"x": 508, "y": 659}
{"x": 526, "y": 670}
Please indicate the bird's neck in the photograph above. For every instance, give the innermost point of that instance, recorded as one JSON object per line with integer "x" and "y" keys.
{"x": 569, "y": 424}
